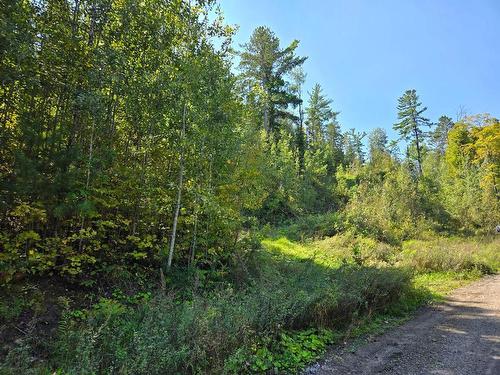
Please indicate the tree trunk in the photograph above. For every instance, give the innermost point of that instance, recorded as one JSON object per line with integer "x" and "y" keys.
{"x": 193, "y": 245}
{"x": 419, "y": 157}
{"x": 87, "y": 182}
{"x": 266, "y": 119}
{"x": 179, "y": 192}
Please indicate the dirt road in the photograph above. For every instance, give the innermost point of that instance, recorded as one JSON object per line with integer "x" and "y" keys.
{"x": 458, "y": 337}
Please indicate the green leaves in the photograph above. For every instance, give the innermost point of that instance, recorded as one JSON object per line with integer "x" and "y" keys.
{"x": 286, "y": 353}
{"x": 264, "y": 66}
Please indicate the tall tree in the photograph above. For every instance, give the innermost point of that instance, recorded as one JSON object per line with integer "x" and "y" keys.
{"x": 411, "y": 122}
{"x": 265, "y": 66}
{"x": 353, "y": 146}
{"x": 319, "y": 116}
{"x": 377, "y": 143}
{"x": 298, "y": 80}
{"x": 334, "y": 145}
{"x": 439, "y": 135}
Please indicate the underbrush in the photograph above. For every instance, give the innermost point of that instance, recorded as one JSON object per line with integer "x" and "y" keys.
{"x": 226, "y": 330}
{"x": 294, "y": 301}
{"x": 453, "y": 255}
{"x": 314, "y": 226}
{"x": 336, "y": 250}
{"x": 208, "y": 334}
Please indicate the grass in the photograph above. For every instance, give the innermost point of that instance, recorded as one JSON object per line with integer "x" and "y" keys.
{"x": 438, "y": 266}
{"x": 442, "y": 283}
{"x": 453, "y": 254}
{"x": 296, "y": 299}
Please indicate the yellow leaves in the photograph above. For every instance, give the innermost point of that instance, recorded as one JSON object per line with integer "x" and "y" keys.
{"x": 487, "y": 141}
{"x": 473, "y": 152}
{"x": 485, "y": 148}
{"x": 26, "y": 213}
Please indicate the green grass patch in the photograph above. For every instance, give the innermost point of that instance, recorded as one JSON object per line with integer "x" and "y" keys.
{"x": 442, "y": 283}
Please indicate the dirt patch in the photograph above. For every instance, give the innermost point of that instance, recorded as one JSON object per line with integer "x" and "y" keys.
{"x": 35, "y": 319}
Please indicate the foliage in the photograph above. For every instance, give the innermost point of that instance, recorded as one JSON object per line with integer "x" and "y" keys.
{"x": 127, "y": 135}
{"x": 387, "y": 209}
{"x": 210, "y": 332}
{"x": 264, "y": 66}
{"x": 411, "y": 122}
{"x": 453, "y": 255}
{"x": 287, "y": 353}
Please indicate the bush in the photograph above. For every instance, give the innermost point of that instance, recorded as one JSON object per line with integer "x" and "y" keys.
{"x": 308, "y": 227}
{"x": 205, "y": 334}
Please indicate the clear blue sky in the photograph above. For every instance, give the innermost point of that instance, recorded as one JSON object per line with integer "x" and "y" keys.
{"x": 365, "y": 53}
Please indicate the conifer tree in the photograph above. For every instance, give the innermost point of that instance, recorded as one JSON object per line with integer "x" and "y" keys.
{"x": 440, "y": 134}
{"x": 265, "y": 67}
{"x": 319, "y": 116}
{"x": 377, "y": 143}
{"x": 411, "y": 122}
{"x": 299, "y": 77}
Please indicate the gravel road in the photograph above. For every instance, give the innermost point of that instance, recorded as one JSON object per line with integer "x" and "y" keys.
{"x": 460, "y": 336}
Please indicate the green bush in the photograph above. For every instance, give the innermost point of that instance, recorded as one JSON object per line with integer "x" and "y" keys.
{"x": 207, "y": 334}
{"x": 307, "y": 227}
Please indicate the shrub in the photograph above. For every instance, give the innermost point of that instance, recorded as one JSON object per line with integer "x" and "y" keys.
{"x": 447, "y": 255}
{"x": 206, "y": 333}
{"x": 308, "y": 227}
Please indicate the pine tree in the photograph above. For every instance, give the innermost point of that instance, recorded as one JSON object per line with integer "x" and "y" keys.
{"x": 265, "y": 66}
{"x": 440, "y": 134}
{"x": 377, "y": 143}
{"x": 319, "y": 115}
{"x": 299, "y": 78}
{"x": 353, "y": 146}
{"x": 410, "y": 112}
{"x": 334, "y": 145}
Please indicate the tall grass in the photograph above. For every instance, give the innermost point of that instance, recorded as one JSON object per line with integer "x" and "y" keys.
{"x": 452, "y": 254}
{"x": 203, "y": 334}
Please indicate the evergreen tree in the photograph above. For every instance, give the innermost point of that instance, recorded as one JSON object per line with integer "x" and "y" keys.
{"x": 410, "y": 112}
{"x": 299, "y": 77}
{"x": 353, "y": 147}
{"x": 319, "y": 116}
{"x": 265, "y": 66}
{"x": 377, "y": 143}
{"x": 334, "y": 145}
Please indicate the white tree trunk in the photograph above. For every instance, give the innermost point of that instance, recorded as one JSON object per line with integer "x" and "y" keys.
{"x": 179, "y": 193}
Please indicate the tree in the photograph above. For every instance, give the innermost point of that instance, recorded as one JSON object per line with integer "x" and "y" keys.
{"x": 93, "y": 96}
{"x": 377, "y": 143}
{"x": 410, "y": 112}
{"x": 298, "y": 79}
{"x": 439, "y": 136}
{"x": 334, "y": 145}
{"x": 353, "y": 147}
{"x": 265, "y": 65}
{"x": 319, "y": 116}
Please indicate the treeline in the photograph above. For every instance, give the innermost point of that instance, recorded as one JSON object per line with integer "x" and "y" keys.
{"x": 128, "y": 140}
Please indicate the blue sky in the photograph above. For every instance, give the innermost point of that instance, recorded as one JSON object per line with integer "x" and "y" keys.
{"x": 366, "y": 53}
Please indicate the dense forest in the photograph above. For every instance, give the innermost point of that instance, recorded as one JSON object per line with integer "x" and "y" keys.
{"x": 145, "y": 160}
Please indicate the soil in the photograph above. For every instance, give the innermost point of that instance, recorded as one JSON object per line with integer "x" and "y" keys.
{"x": 460, "y": 336}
